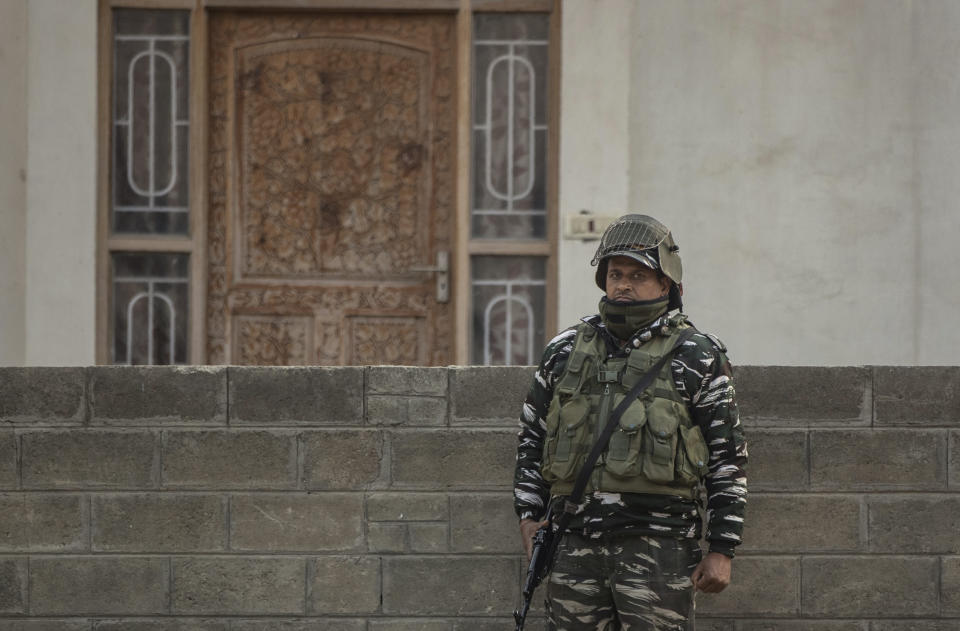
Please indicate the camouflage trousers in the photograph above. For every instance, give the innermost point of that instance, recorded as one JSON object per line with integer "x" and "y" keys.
{"x": 624, "y": 582}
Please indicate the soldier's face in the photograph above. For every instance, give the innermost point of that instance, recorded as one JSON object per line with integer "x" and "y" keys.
{"x": 629, "y": 280}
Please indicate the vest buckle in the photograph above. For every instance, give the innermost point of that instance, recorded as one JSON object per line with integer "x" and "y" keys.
{"x": 609, "y": 376}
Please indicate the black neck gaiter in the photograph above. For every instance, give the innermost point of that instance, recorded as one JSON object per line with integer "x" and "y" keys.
{"x": 624, "y": 318}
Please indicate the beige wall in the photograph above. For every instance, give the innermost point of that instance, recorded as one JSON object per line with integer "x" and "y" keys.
{"x": 61, "y": 188}
{"x": 803, "y": 154}
{"x": 13, "y": 176}
{"x": 594, "y": 133}
{"x": 937, "y": 121}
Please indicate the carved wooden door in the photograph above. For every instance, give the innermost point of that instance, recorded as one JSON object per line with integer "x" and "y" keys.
{"x": 330, "y": 181}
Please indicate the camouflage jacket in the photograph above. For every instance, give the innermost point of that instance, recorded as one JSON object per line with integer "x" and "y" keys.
{"x": 703, "y": 378}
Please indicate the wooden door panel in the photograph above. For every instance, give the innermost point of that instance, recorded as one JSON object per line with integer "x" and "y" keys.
{"x": 331, "y": 177}
{"x": 372, "y": 339}
{"x": 272, "y": 340}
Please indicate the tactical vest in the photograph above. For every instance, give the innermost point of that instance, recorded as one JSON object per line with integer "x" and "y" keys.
{"x": 656, "y": 448}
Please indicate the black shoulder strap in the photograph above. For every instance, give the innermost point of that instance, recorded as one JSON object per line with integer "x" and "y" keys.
{"x": 573, "y": 500}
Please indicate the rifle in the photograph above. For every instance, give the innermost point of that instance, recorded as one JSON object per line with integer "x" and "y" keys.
{"x": 541, "y": 558}
{"x": 547, "y": 538}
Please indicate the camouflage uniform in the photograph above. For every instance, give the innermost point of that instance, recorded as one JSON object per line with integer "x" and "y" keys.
{"x": 645, "y": 546}
{"x": 645, "y": 583}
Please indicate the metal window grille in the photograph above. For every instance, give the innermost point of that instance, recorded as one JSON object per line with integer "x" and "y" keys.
{"x": 509, "y": 200}
{"x": 150, "y": 297}
{"x": 150, "y": 122}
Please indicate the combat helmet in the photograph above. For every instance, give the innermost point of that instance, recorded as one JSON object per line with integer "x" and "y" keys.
{"x": 646, "y": 240}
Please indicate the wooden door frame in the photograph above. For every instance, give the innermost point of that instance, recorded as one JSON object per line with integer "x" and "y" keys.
{"x": 194, "y": 244}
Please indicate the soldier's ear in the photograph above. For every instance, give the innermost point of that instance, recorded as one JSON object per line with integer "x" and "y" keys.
{"x": 665, "y": 284}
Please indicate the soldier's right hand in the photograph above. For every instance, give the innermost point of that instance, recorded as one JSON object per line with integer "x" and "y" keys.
{"x": 528, "y": 528}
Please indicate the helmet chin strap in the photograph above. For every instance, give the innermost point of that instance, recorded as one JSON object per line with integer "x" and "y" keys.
{"x": 676, "y": 296}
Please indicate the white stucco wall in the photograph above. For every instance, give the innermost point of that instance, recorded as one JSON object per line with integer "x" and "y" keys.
{"x": 13, "y": 176}
{"x": 61, "y": 184}
{"x": 594, "y": 136}
{"x": 802, "y": 153}
{"x": 937, "y": 120}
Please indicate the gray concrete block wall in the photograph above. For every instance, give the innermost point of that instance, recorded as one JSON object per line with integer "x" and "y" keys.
{"x": 378, "y": 499}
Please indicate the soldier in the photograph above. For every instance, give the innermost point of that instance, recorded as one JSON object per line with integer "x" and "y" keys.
{"x": 631, "y": 558}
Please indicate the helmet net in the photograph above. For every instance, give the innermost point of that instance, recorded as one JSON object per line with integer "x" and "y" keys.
{"x": 630, "y": 233}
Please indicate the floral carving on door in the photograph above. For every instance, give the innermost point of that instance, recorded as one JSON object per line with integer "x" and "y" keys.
{"x": 330, "y": 178}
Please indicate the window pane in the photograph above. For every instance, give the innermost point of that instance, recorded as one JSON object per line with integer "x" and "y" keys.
{"x": 510, "y": 126}
{"x": 511, "y": 26}
{"x": 150, "y": 308}
{"x": 509, "y": 302}
{"x": 149, "y": 176}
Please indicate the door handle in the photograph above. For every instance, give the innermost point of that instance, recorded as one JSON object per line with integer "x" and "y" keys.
{"x": 442, "y": 270}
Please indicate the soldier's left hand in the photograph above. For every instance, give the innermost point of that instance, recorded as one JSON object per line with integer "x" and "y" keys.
{"x": 712, "y": 574}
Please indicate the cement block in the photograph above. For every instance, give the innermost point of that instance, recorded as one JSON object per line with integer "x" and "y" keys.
{"x": 386, "y": 537}
{"x": 98, "y": 585}
{"x": 409, "y": 624}
{"x": 13, "y": 586}
{"x": 449, "y": 585}
{"x": 341, "y": 459}
{"x": 344, "y": 585}
{"x": 453, "y": 458}
{"x": 159, "y": 523}
{"x": 800, "y": 625}
{"x": 918, "y": 525}
{"x": 484, "y": 395}
{"x": 535, "y": 620}
{"x": 878, "y": 459}
{"x": 294, "y": 522}
{"x": 237, "y": 586}
{"x": 950, "y": 586}
{"x": 169, "y": 624}
{"x": 852, "y": 587}
{"x": 714, "y": 624}
{"x": 308, "y": 624}
{"x": 778, "y": 460}
{"x": 784, "y": 523}
{"x": 8, "y": 460}
{"x": 483, "y": 523}
{"x": 90, "y": 459}
{"x": 42, "y": 522}
{"x": 801, "y": 396}
{"x": 229, "y": 459}
{"x": 394, "y": 410}
{"x": 913, "y": 625}
{"x": 917, "y": 395}
{"x": 157, "y": 395}
{"x": 954, "y": 465}
{"x": 407, "y": 380}
{"x": 430, "y": 537}
{"x": 406, "y": 506}
{"x": 42, "y": 396}
{"x": 296, "y": 396}
{"x": 760, "y": 586}
{"x": 77, "y": 624}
